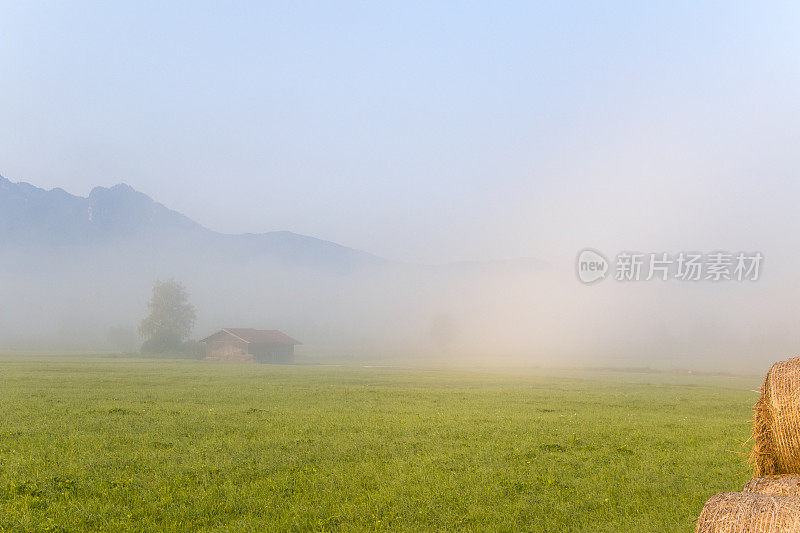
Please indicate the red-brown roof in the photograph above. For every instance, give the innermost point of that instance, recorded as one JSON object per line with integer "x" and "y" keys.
{"x": 250, "y": 335}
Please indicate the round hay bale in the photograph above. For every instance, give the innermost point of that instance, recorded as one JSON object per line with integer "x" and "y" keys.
{"x": 745, "y": 512}
{"x": 776, "y": 422}
{"x": 785, "y": 484}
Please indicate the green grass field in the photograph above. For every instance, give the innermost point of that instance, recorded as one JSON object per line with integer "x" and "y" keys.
{"x": 115, "y": 445}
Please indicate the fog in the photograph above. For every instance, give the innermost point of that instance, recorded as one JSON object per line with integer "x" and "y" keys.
{"x": 87, "y": 288}
{"x": 473, "y": 150}
{"x": 79, "y": 278}
{"x": 511, "y": 313}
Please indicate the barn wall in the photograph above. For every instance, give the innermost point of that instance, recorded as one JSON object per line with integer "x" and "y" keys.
{"x": 227, "y": 350}
{"x": 272, "y": 352}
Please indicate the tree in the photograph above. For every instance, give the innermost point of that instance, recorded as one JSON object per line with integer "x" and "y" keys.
{"x": 171, "y": 318}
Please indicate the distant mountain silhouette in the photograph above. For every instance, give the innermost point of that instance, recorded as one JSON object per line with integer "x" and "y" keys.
{"x": 32, "y": 219}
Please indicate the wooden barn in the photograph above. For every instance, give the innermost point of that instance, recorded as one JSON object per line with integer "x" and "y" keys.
{"x": 250, "y": 345}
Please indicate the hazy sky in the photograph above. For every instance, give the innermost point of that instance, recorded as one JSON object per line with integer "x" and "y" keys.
{"x": 419, "y": 131}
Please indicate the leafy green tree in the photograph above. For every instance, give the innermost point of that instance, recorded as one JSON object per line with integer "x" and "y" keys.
{"x": 171, "y": 318}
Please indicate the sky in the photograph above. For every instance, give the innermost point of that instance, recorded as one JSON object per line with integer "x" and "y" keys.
{"x": 422, "y": 132}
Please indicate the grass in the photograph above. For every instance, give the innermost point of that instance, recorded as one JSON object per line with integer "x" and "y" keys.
{"x": 115, "y": 445}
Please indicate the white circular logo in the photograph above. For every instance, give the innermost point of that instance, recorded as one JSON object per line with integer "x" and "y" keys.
{"x": 591, "y": 266}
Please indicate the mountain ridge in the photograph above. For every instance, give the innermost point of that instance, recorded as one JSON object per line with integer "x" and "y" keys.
{"x": 32, "y": 217}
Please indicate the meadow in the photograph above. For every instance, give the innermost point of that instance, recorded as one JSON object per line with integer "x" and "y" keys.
{"x": 94, "y": 443}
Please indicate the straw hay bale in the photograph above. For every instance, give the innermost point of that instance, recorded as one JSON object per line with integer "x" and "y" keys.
{"x": 745, "y": 512}
{"x": 776, "y": 422}
{"x": 781, "y": 484}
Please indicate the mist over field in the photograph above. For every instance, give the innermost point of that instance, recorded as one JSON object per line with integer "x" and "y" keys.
{"x": 396, "y": 186}
{"x": 76, "y": 274}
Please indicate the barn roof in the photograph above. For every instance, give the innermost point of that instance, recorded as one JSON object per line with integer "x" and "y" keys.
{"x": 250, "y": 335}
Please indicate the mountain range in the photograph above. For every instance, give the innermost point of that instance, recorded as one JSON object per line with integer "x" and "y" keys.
{"x": 32, "y": 218}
